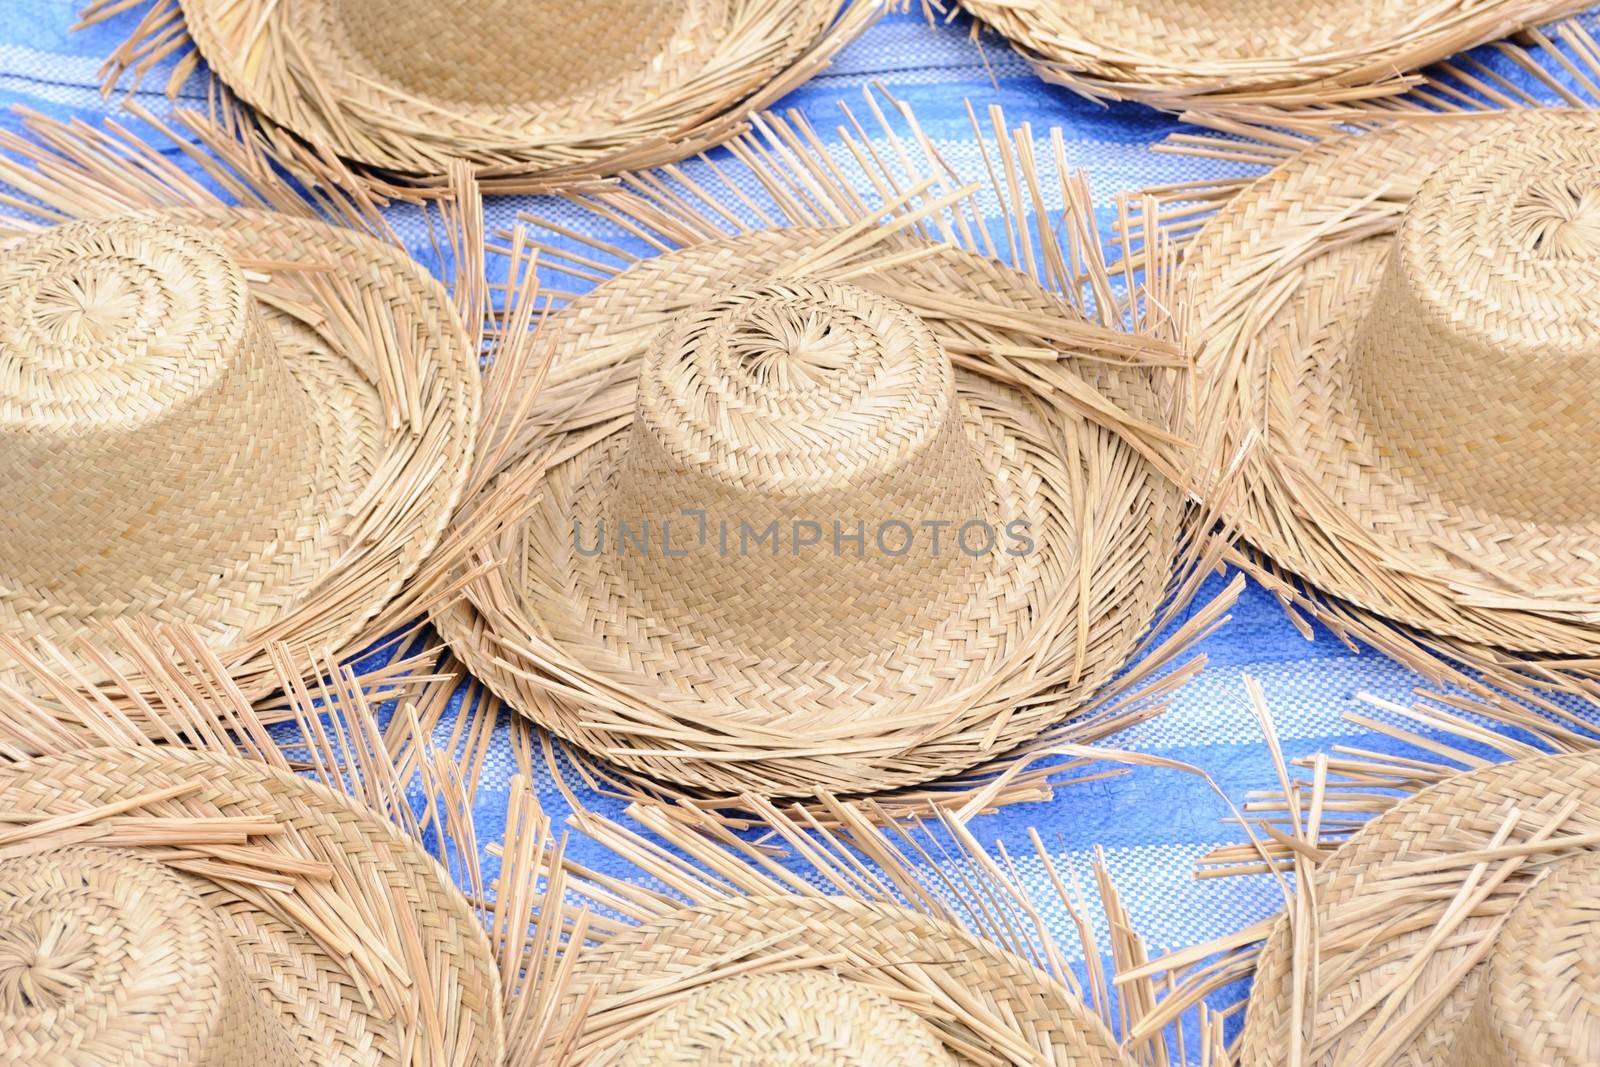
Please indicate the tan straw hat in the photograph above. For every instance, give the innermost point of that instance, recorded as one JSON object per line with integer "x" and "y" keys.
{"x": 835, "y": 507}
{"x": 1391, "y": 325}
{"x": 728, "y": 580}
{"x": 535, "y": 92}
{"x": 197, "y": 910}
{"x": 254, "y": 423}
{"x": 826, "y": 980}
{"x": 807, "y": 945}
{"x": 1456, "y": 928}
{"x": 1239, "y": 56}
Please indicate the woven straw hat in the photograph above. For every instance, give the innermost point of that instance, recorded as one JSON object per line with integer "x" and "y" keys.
{"x": 686, "y": 598}
{"x": 728, "y": 980}
{"x": 198, "y": 910}
{"x": 1458, "y": 927}
{"x": 536, "y": 92}
{"x": 215, "y": 415}
{"x": 1241, "y": 55}
{"x": 1386, "y": 319}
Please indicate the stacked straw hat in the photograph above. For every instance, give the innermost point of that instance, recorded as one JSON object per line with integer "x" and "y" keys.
{"x": 1459, "y": 927}
{"x": 826, "y": 980}
{"x": 254, "y": 423}
{"x": 197, "y": 910}
{"x": 535, "y": 92}
{"x": 744, "y": 961}
{"x": 1395, "y": 327}
{"x": 1244, "y": 54}
{"x": 787, "y": 545}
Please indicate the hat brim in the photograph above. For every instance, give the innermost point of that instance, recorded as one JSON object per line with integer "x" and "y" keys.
{"x": 386, "y": 368}
{"x": 292, "y": 63}
{"x": 1027, "y": 1014}
{"x": 1181, "y": 57}
{"x": 556, "y": 634}
{"x": 1382, "y": 896}
{"x": 1276, "y": 288}
{"x": 334, "y": 1015}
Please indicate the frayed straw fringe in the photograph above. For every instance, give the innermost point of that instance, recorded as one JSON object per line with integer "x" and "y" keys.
{"x": 930, "y": 865}
{"x": 193, "y": 704}
{"x": 1563, "y": 65}
{"x": 1320, "y": 801}
{"x": 802, "y": 185}
{"x": 397, "y": 146}
{"x": 1205, "y": 85}
{"x": 59, "y": 171}
{"x": 1561, "y": 62}
{"x": 546, "y": 914}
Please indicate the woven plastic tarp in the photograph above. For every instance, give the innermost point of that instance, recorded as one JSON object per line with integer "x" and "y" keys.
{"x": 1151, "y": 824}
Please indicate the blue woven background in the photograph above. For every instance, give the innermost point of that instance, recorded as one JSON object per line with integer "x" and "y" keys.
{"x": 1151, "y": 824}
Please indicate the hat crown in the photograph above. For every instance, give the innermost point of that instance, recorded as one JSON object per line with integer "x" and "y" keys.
{"x": 113, "y": 323}
{"x": 1471, "y": 365}
{"x": 787, "y": 1019}
{"x": 495, "y": 53}
{"x": 111, "y": 958}
{"x": 1539, "y": 1001}
{"x": 149, "y": 430}
{"x": 789, "y": 444}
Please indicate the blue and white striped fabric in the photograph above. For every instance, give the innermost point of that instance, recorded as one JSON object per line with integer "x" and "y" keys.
{"x": 1151, "y": 824}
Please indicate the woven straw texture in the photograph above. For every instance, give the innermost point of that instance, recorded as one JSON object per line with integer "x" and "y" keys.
{"x": 535, "y": 92}
{"x": 1012, "y": 1011}
{"x": 136, "y": 929}
{"x": 214, "y": 416}
{"x": 1238, "y": 56}
{"x": 1478, "y": 892}
{"x": 736, "y": 668}
{"x": 796, "y": 1017}
{"x": 1392, "y": 313}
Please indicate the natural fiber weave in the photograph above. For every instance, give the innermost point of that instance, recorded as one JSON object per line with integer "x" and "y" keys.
{"x": 1387, "y": 316}
{"x": 834, "y": 378}
{"x": 791, "y": 1017}
{"x": 193, "y": 909}
{"x": 1445, "y": 930}
{"x": 211, "y": 414}
{"x": 816, "y": 946}
{"x": 749, "y": 671}
{"x": 1240, "y": 57}
{"x": 889, "y": 951}
{"x": 535, "y": 93}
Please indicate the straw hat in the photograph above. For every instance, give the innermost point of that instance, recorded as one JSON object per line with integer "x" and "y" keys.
{"x": 737, "y": 958}
{"x": 255, "y": 423}
{"x": 830, "y": 980}
{"x": 686, "y": 598}
{"x": 1387, "y": 318}
{"x": 1244, "y": 54}
{"x": 1458, "y": 927}
{"x": 536, "y": 92}
{"x": 197, "y": 910}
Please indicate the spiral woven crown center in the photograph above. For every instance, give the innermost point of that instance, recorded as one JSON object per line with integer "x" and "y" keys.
{"x": 45, "y": 962}
{"x": 108, "y": 957}
{"x": 114, "y": 322}
{"x": 789, "y": 351}
{"x": 1559, "y": 219}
